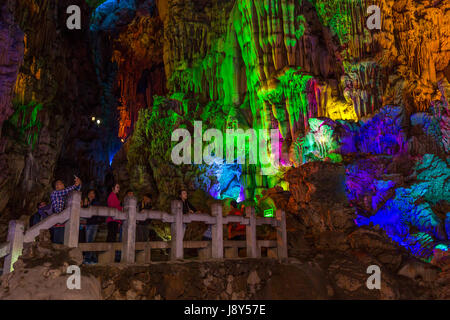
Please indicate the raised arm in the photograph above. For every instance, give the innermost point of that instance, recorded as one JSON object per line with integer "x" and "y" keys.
{"x": 66, "y": 190}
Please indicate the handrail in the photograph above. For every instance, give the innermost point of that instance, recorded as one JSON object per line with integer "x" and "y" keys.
{"x": 155, "y": 215}
{"x": 214, "y": 249}
{"x": 57, "y": 218}
{"x": 102, "y": 212}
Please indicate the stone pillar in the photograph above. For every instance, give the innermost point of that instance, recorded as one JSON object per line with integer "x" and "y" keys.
{"x": 281, "y": 235}
{"x": 129, "y": 231}
{"x": 15, "y": 239}
{"x": 252, "y": 243}
{"x": 72, "y": 226}
{"x": 176, "y": 250}
{"x": 217, "y": 232}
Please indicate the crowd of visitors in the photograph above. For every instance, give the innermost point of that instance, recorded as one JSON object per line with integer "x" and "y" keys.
{"x": 89, "y": 227}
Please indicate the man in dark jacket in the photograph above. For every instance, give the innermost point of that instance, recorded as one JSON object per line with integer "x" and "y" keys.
{"x": 187, "y": 206}
{"x": 90, "y": 225}
{"x": 39, "y": 215}
{"x": 142, "y": 230}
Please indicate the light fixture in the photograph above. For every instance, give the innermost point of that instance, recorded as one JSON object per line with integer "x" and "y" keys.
{"x": 93, "y": 118}
{"x": 98, "y": 121}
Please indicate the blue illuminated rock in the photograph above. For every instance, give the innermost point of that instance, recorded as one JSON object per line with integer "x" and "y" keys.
{"x": 112, "y": 14}
{"x": 427, "y": 134}
{"x": 447, "y": 225}
{"x": 385, "y": 133}
{"x": 434, "y": 175}
{"x": 364, "y": 184}
{"x": 221, "y": 180}
{"x": 411, "y": 208}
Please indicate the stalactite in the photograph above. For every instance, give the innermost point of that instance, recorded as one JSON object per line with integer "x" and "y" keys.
{"x": 364, "y": 85}
{"x": 140, "y": 76}
{"x": 414, "y": 42}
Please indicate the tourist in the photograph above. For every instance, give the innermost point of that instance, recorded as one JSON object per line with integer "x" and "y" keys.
{"x": 91, "y": 224}
{"x": 39, "y": 215}
{"x": 60, "y": 193}
{"x": 129, "y": 193}
{"x": 58, "y": 198}
{"x": 188, "y": 208}
{"x": 113, "y": 225}
{"x": 142, "y": 231}
{"x": 236, "y": 231}
{"x": 90, "y": 199}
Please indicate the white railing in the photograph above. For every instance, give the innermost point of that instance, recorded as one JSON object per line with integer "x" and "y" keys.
{"x": 133, "y": 251}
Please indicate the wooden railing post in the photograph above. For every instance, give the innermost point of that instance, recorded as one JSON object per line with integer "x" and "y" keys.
{"x": 129, "y": 231}
{"x": 15, "y": 239}
{"x": 252, "y": 244}
{"x": 281, "y": 235}
{"x": 217, "y": 232}
{"x": 177, "y": 233}
{"x": 72, "y": 226}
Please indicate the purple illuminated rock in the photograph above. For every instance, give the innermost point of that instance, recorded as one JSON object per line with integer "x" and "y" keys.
{"x": 385, "y": 133}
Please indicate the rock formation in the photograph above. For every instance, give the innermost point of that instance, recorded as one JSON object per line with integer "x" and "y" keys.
{"x": 361, "y": 116}
{"x": 42, "y": 273}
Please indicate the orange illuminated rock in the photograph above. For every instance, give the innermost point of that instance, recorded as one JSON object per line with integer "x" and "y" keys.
{"x": 138, "y": 54}
{"x": 416, "y": 47}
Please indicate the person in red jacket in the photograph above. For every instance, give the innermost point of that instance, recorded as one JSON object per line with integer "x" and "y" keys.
{"x": 113, "y": 225}
{"x": 236, "y": 231}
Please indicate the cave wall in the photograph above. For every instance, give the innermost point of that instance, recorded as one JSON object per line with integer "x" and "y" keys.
{"x": 50, "y": 133}
{"x": 11, "y": 55}
{"x": 336, "y": 91}
{"x": 278, "y": 65}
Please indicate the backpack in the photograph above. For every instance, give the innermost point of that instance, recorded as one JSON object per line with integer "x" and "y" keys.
{"x": 46, "y": 211}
